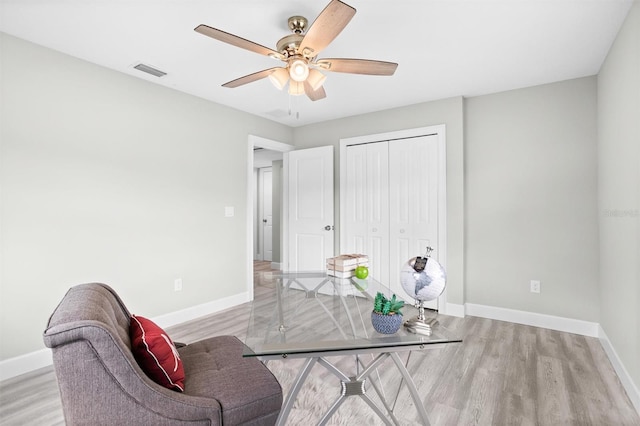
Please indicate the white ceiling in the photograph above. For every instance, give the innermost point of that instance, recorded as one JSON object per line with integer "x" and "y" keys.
{"x": 444, "y": 48}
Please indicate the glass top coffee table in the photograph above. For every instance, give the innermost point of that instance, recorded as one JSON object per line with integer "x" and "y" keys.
{"x": 312, "y": 315}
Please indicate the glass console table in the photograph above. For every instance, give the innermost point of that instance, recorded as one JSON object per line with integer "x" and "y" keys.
{"x": 312, "y": 315}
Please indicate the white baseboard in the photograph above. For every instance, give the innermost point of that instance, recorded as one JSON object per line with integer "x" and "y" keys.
{"x": 193, "y": 312}
{"x": 276, "y": 265}
{"x": 625, "y": 378}
{"x": 25, "y": 363}
{"x": 454, "y": 309}
{"x": 551, "y": 322}
{"x": 16, "y": 366}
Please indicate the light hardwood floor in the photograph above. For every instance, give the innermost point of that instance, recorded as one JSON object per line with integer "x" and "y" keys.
{"x": 502, "y": 374}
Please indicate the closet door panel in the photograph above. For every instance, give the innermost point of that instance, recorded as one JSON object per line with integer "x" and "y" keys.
{"x": 376, "y": 249}
{"x": 367, "y": 215}
{"x": 403, "y": 249}
{"x": 402, "y": 186}
{"x": 356, "y": 200}
{"x": 425, "y": 216}
{"x": 413, "y": 197}
{"x": 378, "y": 207}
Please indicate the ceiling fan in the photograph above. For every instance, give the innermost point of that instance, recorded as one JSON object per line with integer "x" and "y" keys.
{"x": 300, "y": 50}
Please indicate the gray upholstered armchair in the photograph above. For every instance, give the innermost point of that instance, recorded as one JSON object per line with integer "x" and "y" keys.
{"x": 102, "y": 384}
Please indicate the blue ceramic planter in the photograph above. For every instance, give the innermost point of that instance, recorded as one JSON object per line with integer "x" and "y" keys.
{"x": 386, "y": 324}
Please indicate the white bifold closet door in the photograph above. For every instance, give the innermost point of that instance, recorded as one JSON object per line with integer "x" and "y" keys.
{"x": 367, "y": 209}
{"x": 392, "y": 204}
{"x": 413, "y": 202}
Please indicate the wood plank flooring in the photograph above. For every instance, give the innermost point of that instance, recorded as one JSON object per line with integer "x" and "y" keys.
{"x": 503, "y": 374}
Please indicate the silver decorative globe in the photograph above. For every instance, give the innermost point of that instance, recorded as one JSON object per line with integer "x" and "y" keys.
{"x": 423, "y": 285}
{"x": 426, "y": 285}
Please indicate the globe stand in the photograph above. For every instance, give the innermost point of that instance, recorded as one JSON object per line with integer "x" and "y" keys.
{"x": 420, "y": 324}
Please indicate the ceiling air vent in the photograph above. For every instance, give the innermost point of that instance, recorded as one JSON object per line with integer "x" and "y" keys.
{"x": 150, "y": 70}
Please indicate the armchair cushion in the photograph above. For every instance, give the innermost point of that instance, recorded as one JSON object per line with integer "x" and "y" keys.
{"x": 156, "y": 353}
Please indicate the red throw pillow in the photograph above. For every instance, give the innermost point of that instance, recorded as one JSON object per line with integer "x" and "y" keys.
{"x": 156, "y": 354}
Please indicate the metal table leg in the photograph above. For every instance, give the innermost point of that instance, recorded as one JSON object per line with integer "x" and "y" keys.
{"x": 355, "y": 386}
{"x": 412, "y": 388}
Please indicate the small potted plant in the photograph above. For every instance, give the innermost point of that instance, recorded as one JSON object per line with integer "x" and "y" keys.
{"x": 386, "y": 316}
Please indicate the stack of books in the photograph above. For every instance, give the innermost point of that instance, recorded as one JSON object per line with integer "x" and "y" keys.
{"x": 344, "y": 266}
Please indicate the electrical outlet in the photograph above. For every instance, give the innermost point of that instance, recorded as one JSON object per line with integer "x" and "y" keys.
{"x": 535, "y": 286}
{"x": 177, "y": 284}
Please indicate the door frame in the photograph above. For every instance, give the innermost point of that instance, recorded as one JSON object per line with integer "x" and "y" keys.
{"x": 440, "y": 131}
{"x": 252, "y": 142}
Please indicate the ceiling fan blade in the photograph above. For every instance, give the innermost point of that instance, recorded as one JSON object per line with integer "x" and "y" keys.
{"x": 357, "y": 66}
{"x": 314, "y": 95}
{"x": 234, "y": 40}
{"x": 326, "y": 27}
{"x": 250, "y": 78}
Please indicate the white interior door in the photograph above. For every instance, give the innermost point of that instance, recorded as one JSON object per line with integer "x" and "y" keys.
{"x": 309, "y": 174}
{"x": 413, "y": 202}
{"x": 367, "y": 209}
{"x": 265, "y": 177}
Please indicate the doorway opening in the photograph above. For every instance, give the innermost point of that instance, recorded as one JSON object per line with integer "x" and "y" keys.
{"x": 262, "y": 153}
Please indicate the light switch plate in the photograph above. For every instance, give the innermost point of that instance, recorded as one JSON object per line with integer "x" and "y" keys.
{"x": 229, "y": 211}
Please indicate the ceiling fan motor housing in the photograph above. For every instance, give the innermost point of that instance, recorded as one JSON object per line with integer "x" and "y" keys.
{"x": 298, "y": 24}
{"x": 288, "y": 45}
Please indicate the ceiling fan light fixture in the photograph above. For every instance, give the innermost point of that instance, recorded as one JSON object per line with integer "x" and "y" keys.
{"x": 296, "y": 88}
{"x": 303, "y": 71}
{"x": 316, "y": 79}
{"x": 298, "y": 70}
{"x": 279, "y": 78}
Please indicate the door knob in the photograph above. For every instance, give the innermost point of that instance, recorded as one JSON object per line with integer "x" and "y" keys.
{"x": 264, "y": 220}
{"x": 328, "y": 228}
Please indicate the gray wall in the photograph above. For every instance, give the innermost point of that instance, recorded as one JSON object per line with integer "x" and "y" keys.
{"x": 619, "y": 193}
{"x": 110, "y": 178}
{"x": 531, "y": 201}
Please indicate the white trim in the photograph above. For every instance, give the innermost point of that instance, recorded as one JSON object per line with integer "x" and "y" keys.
{"x": 25, "y": 363}
{"x": 269, "y": 144}
{"x": 276, "y": 265}
{"x": 249, "y": 219}
{"x": 625, "y": 378}
{"x": 16, "y": 366}
{"x": 551, "y": 322}
{"x": 193, "y": 312}
{"x": 284, "y": 212}
{"x": 454, "y": 310}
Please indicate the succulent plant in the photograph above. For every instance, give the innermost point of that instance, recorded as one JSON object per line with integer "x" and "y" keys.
{"x": 384, "y": 306}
